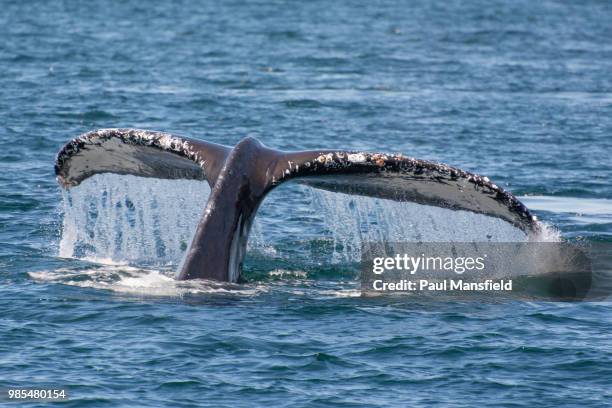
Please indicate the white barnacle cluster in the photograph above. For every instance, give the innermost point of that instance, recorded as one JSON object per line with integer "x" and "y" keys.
{"x": 96, "y": 136}
{"x": 485, "y": 182}
{"x": 148, "y": 138}
{"x": 443, "y": 168}
{"x": 482, "y": 181}
{"x": 168, "y": 142}
{"x": 201, "y": 162}
{"x": 476, "y": 179}
{"x": 380, "y": 159}
{"x": 293, "y": 167}
{"x": 162, "y": 140}
{"x": 325, "y": 159}
{"x": 356, "y": 158}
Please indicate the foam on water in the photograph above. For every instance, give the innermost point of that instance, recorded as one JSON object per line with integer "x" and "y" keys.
{"x": 140, "y": 282}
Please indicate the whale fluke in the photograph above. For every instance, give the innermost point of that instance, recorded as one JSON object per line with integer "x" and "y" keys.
{"x": 240, "y": 177}
{"x": 138, "y": 152}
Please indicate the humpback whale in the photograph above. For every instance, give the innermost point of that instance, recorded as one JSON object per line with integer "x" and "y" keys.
{"x": 241, "y": 176}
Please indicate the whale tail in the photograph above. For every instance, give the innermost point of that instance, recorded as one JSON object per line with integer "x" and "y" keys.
{"x": 240, "y": 177}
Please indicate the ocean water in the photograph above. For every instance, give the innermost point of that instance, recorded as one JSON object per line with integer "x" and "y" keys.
{"x": 519, "y": 91}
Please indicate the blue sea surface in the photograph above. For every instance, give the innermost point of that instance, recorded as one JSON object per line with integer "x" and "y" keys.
{"x": 519, "y": 91}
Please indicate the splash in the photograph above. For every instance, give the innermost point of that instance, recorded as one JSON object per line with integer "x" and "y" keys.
{"x": 336, "y": 225}
{"x": 356, "y": 219}
{"x": 130, "y": 219}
